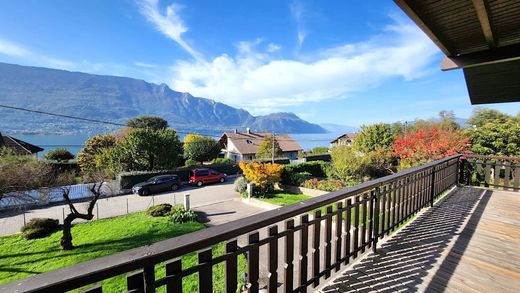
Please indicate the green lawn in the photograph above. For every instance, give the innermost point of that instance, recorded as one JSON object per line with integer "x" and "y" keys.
{"x": 20, "y": 258}
{"x": 285, "y": 199}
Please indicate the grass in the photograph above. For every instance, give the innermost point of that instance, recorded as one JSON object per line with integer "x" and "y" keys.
{"x": 20, "y": 258}
{"x": 284, "y": 199}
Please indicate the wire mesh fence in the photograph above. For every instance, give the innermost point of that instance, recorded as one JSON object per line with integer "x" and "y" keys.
{"x": 11, "y": 221}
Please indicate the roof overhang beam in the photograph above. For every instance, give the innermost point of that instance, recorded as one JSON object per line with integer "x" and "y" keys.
{"x": 493, "y": 56}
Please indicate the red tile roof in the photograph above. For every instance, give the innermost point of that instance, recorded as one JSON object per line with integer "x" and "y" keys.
{"x": 247, "y": 143}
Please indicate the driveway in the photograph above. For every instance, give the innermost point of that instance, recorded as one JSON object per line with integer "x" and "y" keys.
{"x": 219, "y": 202}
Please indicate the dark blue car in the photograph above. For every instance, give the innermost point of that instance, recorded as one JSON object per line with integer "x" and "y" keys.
{"x": 157, "y": 184}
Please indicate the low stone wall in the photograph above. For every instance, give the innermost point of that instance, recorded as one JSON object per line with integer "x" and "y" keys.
{"x": 303, "y": 190}
{"x": 260, "y": 204}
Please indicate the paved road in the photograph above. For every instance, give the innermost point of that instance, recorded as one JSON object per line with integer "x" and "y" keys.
{"x": 219, "y": 202}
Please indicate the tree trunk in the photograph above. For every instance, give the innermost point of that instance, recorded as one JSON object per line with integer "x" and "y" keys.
{"x": 66, "y": 239}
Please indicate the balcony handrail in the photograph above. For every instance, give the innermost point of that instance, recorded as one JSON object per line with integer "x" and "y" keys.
{"x": 491, "y": 157}
{"x": 72, "y": 277}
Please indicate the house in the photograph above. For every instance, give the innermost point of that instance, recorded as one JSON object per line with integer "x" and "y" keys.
{"x": 345, "y": 139}
{"x": 19, "y": 147}
{"x": 242, "y": 146}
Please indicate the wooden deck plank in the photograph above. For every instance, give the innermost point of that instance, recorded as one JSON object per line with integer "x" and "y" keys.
{"x": 468, "y": 242}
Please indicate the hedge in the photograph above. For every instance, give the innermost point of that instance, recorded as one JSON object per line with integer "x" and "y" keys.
{"x": 315, "y": 169}
{"x": 282, "y": 161}
{"x": 318, "y": 157}
{"x": 70, "y": 166}
{"x": 129, "y": 179}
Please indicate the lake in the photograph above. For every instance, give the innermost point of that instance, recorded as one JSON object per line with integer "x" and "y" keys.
{"x": 74, "y": 143}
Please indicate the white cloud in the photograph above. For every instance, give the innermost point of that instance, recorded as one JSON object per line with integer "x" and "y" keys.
{"x": 145, "y": 65}
{"x": 255, "y": 81}
{"x": 170, "y": 24}
{"x": 297, "y": 12}
{"x": 271, "y": 48}
{"x": 12, "y": 49}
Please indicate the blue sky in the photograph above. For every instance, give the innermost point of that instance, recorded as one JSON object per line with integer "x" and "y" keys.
{"x": 340, "y": 62}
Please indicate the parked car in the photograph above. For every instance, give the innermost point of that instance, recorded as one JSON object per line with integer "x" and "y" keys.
{"x": 157, "y": 184}
{"x": 202, "y": 176}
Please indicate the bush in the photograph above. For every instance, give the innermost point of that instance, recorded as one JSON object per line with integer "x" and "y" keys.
{"x": 222, "y": 161}
{"x": 190, "y": 163}
{"x": 161, "y": 210}
{"x": 59, "y": 155}
{"x": 39, "y": 228}
{"x": 297, "y": 179}
{"x": 328, "y": 184}
{"x": 318, "y": 157}
{"x": 180, "y": 215}
{"x": 241, "y": 185}
{"x": 315, "y": 169}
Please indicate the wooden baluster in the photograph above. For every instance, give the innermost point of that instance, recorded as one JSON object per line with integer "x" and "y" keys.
{"x": 149, "y": 279}
{"x": 135, "y": 282}
{"x": 95, "y": 289}
{"x": 488, "y": 173}
{"x": 253, "y": 262}
{"x": 304, "y": 248}
{"x": 206, "y": 271}
{"x": 370, "y": 219}
{"x": 496, "y": 179}
{"x": 394, "y": 204}
{"x": 400, "y": 201}
{"x": 174, "y": 269}
{"x": 339, "y": 232}
{"x": 363, "y": 221}
{"x": 356, "y": 226}
{"x": 516, "y": 181}
{"x": 272, "y": 263}
{"x": 388, "y": 207}
{"x": 382, "y": 212}
{"x": 289, "y": 256}
{"x": 376, "y": 195}
{"x": 231, "y": 267}
{"x": 328, "y": 241}
{"x": 507, "y": 174}
{"x": 316, "y": 248}
{"x": 348, "y": 217}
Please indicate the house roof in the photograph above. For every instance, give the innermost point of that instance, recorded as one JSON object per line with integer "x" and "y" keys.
{"x": 247, "y": 143}
{"x": 346, "y": 135}
{"x": 19, "y": 147}
{"x": 482, "y": 37}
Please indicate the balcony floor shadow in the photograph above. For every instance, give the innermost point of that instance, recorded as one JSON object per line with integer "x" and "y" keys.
{"x": 468, "y": 242}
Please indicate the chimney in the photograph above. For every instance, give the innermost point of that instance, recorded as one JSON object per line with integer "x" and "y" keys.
{"x": 236, "y": 131}
{"x": 248, "y": 130}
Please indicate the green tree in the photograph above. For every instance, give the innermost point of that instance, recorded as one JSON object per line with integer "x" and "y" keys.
{"x": 447, "y": 120}
{"x": 374, "y": 136}
{"x": 147, "y": 149}
{"x": 93, "y": 147}
{"x": 481, "y": 116}
{"x": 201, "y": 148}
{"x": 60, "y": 154}
{"x": 320, "y": 150}
{"x": 348, "y": 164}
{"x": 496, "y": 138}
{"x": 153, "y": 122}
{"x": 266, "y": 149}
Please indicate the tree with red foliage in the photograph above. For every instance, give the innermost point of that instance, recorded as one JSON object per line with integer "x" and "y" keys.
{"x": 429, "y": 143}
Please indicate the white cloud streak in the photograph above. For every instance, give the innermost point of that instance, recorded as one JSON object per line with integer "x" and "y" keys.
{"x": 297, "y": 11}
{"x": 170, "y": 24}
{"x": 255, "y": 81}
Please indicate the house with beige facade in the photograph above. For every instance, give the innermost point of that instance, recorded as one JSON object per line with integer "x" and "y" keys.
{"x": 242, "y": 146}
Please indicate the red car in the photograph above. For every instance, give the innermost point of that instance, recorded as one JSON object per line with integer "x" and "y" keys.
{"x": 202, "y": 176}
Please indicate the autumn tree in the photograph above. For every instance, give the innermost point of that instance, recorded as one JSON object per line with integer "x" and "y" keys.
{"x": 152, "y": 122}
{"x": 268, "y": 149}
{"x": 201, "y": 148}
{"x": 93, "y": 147}
{"x": 430, "y": 143}
{"x": 262, "y": 175}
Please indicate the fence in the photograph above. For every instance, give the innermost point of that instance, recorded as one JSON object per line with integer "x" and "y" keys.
{"x": 12, "y": 221}
{"x": 491, "y": 171}
{"x": 343, "y": 225}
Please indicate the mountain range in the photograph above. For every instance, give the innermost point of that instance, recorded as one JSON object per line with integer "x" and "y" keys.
{"x": 117, "y": 99}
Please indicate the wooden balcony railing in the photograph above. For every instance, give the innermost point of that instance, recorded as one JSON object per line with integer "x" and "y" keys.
{"x": 354, "y": 219}
{"x": 491, "y": 171}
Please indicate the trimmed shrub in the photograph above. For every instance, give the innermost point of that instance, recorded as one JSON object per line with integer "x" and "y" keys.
{"x": 328, "y": 184}
{"x": 315, "y": 169}
{"x": 282, "y": 161}
{"x": 297, "y": 179}
{"x": 160, "y": 210}
{"x": 60, "y": 155}
{"x": 129, "y": 179}
{"x": 39, "y": 228}
{"x": 190, "y": 163}
{"x": 181, "y": 215}
{"x": 222, "y": 161}
{"x": 318, "y": 157}
{"x": 241, "y": 185}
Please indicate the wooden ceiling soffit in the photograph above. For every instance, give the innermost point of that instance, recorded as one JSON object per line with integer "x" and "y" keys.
{"x": 496, "y": 55}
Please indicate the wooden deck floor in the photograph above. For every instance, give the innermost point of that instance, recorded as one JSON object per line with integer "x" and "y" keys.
{"x": 468, "y": 242}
